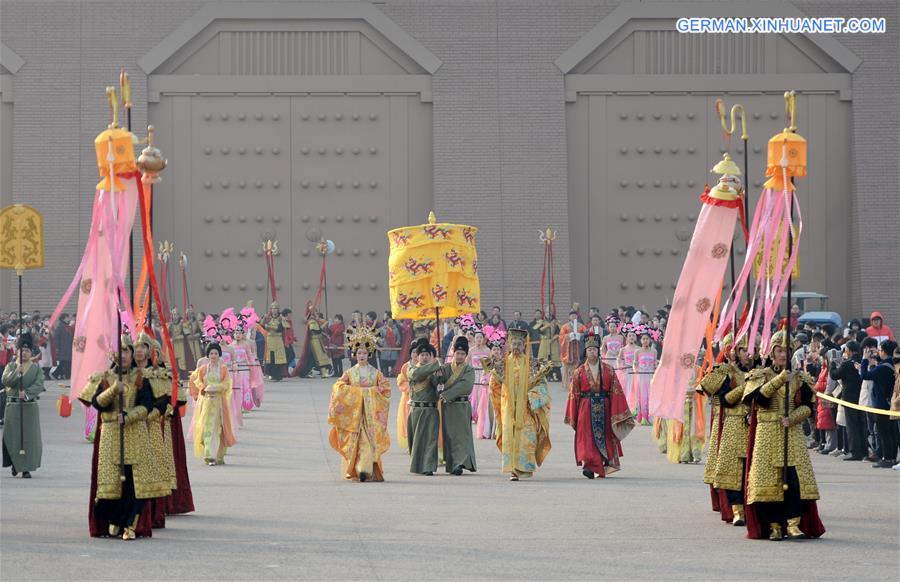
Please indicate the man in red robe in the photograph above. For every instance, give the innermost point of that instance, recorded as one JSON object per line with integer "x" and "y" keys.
{"x": 598, "y": 412}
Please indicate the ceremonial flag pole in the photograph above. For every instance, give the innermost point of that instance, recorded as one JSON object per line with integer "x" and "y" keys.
{"x": 547, "y": 237}
{"x": 111, "y": 161}
{"x": 151, "y": 163}
{"x": 745, "y": 137}
{"x": 121, "y": 392}
{"x": 22, "y": 232}
{"x": 270, "y": 251}
{"x": 185, "y": 296}
{"x": 790, "y": 98}
{"x": 125, "y": 87}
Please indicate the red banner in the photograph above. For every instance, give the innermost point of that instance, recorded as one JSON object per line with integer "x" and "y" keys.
{"x": 154, "y": 289}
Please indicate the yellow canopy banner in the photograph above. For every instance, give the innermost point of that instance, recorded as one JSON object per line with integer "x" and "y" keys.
{"x": 433, "y": 267}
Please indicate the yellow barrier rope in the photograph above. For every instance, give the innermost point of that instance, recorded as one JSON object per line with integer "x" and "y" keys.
{"x": 824, "y": 396}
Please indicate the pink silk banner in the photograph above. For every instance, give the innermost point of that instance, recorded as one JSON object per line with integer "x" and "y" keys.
{"x": 101, "y": 285}
{"x": 772, "y": 222}
{"x": 695, "y": 296}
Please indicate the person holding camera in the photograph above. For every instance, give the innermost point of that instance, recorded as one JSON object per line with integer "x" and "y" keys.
{"x": 845, "y": 371}
{"x": 878, "y": 366}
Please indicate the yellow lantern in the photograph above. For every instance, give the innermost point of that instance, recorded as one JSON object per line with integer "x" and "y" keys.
{"x": 120, "y": 142}
{"x": 729, "y": 186}
{"x": 787, "y": 150}
{"x": 433, "y": 270}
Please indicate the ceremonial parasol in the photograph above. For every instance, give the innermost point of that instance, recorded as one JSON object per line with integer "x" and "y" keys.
{"x": 433, "y": 271}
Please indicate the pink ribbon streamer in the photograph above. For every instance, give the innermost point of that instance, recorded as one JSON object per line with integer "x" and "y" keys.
{"x": 772, "y": 224}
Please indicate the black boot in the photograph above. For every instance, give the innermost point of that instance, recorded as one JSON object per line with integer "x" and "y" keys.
{"x": 588, "y": 473}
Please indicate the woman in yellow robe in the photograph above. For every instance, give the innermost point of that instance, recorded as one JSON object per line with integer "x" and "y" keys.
{"x": 684, "y": 440}
{"x": 358, "y": 413}
{"x": 211, "y": 426}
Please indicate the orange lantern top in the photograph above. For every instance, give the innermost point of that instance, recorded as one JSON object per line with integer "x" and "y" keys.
{"x": 786, "y": 149}
{"x": 118, "y": 141}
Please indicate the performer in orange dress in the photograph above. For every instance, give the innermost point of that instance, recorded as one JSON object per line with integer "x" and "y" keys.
{"x": 358, "y": 412}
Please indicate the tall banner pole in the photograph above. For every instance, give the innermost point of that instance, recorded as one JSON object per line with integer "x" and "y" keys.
{"x": 21, "y": 248}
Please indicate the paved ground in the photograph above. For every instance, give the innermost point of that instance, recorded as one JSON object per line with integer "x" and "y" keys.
{"x": 279, "y": 510}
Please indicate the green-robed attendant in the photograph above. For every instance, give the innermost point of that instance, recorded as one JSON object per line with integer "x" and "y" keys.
{"x": 424, "y": 422}
{"x": 22, "y": 445}
{"x": 459, "y": 448}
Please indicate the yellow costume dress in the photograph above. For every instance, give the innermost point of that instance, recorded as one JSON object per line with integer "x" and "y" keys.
{"x": 211, "y": 424}
{"x": 403, "y": 407}
{"x": 521, "y": 404}
{"x": 685, "y": 439}
{"x": 358, "y": 415}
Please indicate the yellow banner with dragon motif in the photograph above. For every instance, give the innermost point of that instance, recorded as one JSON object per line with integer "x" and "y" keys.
{"x": 433, "y": 266}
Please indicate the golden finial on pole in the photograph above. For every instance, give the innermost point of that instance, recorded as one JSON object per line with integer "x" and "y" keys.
{"x": 270, "y": 247}
{"x": 548, "y": 236}
{"x": 735, "y": 109}
{"x": 166, "y": 250}
{"x": 432, "y": 219}
{"x": 790, "y": 111}
{"x": 151, "y": 162}
{"x": 113, "y": 106}
{"x": 125, "y": 88}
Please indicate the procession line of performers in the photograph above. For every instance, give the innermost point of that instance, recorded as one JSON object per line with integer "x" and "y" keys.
{"x": 273, "y": 338}
{"x": 745, "y": 469}
{"x": 435, "y": 414}
{"x": 139, "y": 471}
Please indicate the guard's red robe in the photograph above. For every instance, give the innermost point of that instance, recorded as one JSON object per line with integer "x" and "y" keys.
{"x": 182, "y": 499}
